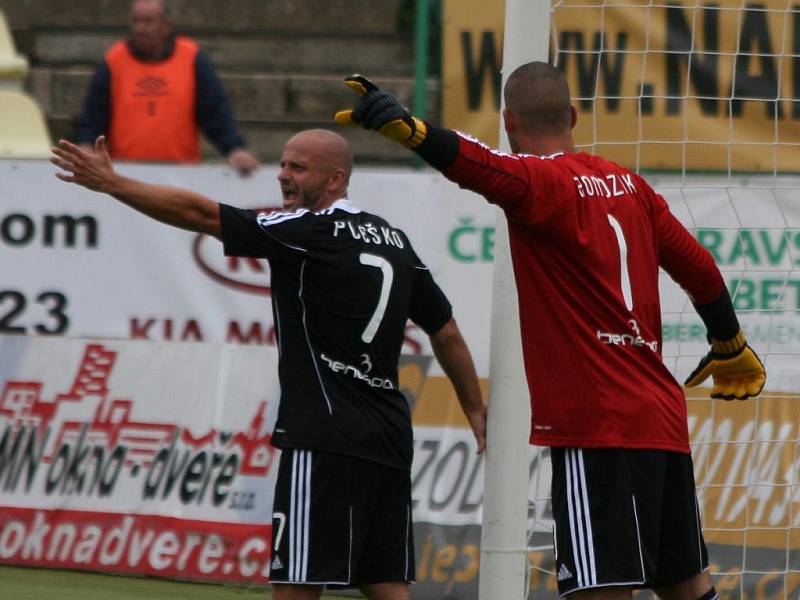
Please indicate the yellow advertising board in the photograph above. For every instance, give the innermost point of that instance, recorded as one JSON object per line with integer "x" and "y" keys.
{"x": 684, "y": 85}
{"x": 473, "y": 56}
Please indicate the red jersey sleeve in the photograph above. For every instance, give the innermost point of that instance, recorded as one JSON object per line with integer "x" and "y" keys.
{"x": 528, "y": 188}
{"x": 501, "y": 178}
{"x": 681, "y": 255}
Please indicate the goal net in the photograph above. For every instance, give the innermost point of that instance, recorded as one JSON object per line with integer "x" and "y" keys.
{"x": 703, "y": 98}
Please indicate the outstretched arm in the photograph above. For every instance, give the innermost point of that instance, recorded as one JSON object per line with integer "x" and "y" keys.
{"x": 501, "y": 178}
{"x": 93, "y": 170}
{"x": 452, "y": 353}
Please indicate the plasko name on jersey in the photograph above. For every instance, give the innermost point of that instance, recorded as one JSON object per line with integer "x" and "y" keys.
{"x": 369, "y": 233}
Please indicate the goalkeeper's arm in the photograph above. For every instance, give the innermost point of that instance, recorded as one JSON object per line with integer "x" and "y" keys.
{"x": 735, "y": 368}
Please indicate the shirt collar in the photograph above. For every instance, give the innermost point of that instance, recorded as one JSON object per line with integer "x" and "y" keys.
{"x": 342, "y": 204}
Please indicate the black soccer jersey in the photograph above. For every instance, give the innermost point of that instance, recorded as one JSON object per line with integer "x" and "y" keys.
{"x": 344, "y": 282}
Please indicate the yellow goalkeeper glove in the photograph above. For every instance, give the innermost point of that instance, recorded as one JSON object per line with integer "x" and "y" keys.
{"x": 382, "y": 112}
{"x": 737, "y": 371}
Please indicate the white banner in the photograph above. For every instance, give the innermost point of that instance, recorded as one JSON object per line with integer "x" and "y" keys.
{"x": 113, "y": 443}
{"x": 77, "y": 263}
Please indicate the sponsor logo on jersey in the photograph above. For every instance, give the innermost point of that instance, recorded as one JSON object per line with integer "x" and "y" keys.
{"x": 338, "y": 366}
{"x": 152, "y": 86}
{"x": 564, "y": 573}
{"x": 627, "y": 339}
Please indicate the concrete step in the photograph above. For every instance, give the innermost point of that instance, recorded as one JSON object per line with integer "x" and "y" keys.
{"x": 266, "y": 140}
{"x": 389, "y": 55}
{"x": 343, "y": 17}
{"x": 255, "y": 98}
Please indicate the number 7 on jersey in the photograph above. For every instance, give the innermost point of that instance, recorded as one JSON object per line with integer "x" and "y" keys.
{"x": 385, "y": 266}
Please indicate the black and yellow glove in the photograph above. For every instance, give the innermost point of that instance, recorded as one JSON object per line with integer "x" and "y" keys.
{"x": 737, "y": 371}
{"x": 382, "y": 112}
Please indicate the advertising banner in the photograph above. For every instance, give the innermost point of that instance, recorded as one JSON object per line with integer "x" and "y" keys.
{"x": 678, "y": 85}
{"x": 146, "y": 456}
{"x": 76, "y": 263}
{"x": 137, "y": 457}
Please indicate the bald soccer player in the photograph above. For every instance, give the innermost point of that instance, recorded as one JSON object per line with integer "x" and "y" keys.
{"x": 587, "y": 239}
{"x": 344, "y": 282}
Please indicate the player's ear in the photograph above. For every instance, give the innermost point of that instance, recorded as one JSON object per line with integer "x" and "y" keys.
{"x": 337, "y": 180}
{"x": 508, "y": 121}
{"x": 573, "y": 117}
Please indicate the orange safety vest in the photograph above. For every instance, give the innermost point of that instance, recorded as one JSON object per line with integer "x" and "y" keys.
{"x": 153, "y": 104}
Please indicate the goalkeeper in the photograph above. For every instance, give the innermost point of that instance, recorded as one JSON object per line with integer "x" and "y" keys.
{"x": 587, "y": 239}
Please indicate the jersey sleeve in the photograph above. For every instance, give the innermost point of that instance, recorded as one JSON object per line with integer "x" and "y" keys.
{"x": 529, "y": 189}
{"x": 684, "y": 258}
{"x": 501, "y": 178}
{"x": 263, "y": 235}
{"x": 430, "y": 308}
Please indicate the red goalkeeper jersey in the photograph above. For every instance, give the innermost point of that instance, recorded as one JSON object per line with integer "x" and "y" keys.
{"x": 587, "y": 238}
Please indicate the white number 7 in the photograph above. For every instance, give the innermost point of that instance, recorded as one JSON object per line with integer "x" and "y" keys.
{"x": 385, "y": 266}
{"x": 281, "y": 519}
{"x": 625, "y": 282}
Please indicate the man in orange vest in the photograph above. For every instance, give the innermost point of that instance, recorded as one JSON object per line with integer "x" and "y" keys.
{"x": 154, "y": 91}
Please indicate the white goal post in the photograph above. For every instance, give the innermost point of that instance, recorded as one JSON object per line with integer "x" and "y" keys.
{"x": 504, "y": 540}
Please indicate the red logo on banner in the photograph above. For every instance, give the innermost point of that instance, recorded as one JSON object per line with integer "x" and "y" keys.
{"x": 112, "y": 424}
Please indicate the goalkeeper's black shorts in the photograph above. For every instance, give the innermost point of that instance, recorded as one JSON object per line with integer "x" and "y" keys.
{"x": 340, "y": 521}
{"x": 624, "y": 518}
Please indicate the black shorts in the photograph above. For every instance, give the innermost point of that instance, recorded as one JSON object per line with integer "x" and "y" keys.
{"x": 340, "y": 521}
{"x": 624, "y": 518}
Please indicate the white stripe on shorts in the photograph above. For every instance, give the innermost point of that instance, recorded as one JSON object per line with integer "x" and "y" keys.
{"x": 299, "y": 515}
{"x": 580, "y": 519}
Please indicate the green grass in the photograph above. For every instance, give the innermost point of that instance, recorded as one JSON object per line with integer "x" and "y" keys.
{"x": 19, "y": 583}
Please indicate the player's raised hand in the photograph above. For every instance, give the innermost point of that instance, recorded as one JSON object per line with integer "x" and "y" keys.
{"x": 90, "y": 168}
{"x": 735, "y": 368}
{"x": 382, "y": 112}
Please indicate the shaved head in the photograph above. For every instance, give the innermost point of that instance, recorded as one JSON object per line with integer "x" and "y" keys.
{"x": 325, "y": 146}
{"x": 538, "y": 95}
{"x": 160, "y": 5}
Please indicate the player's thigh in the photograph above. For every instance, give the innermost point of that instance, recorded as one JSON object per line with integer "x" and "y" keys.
{"x": 597, "y": 539}
{"x": 296, "y": 592}
{"x": 624, "y": 517}
{"x": 394, "y": 590}
{"x": 387, "y": 552}
{"x": 610, "y": 593}
{"x": 672, "y": 517}
{"x": 312, "y": 525}
{"x": 692, "y": 589}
